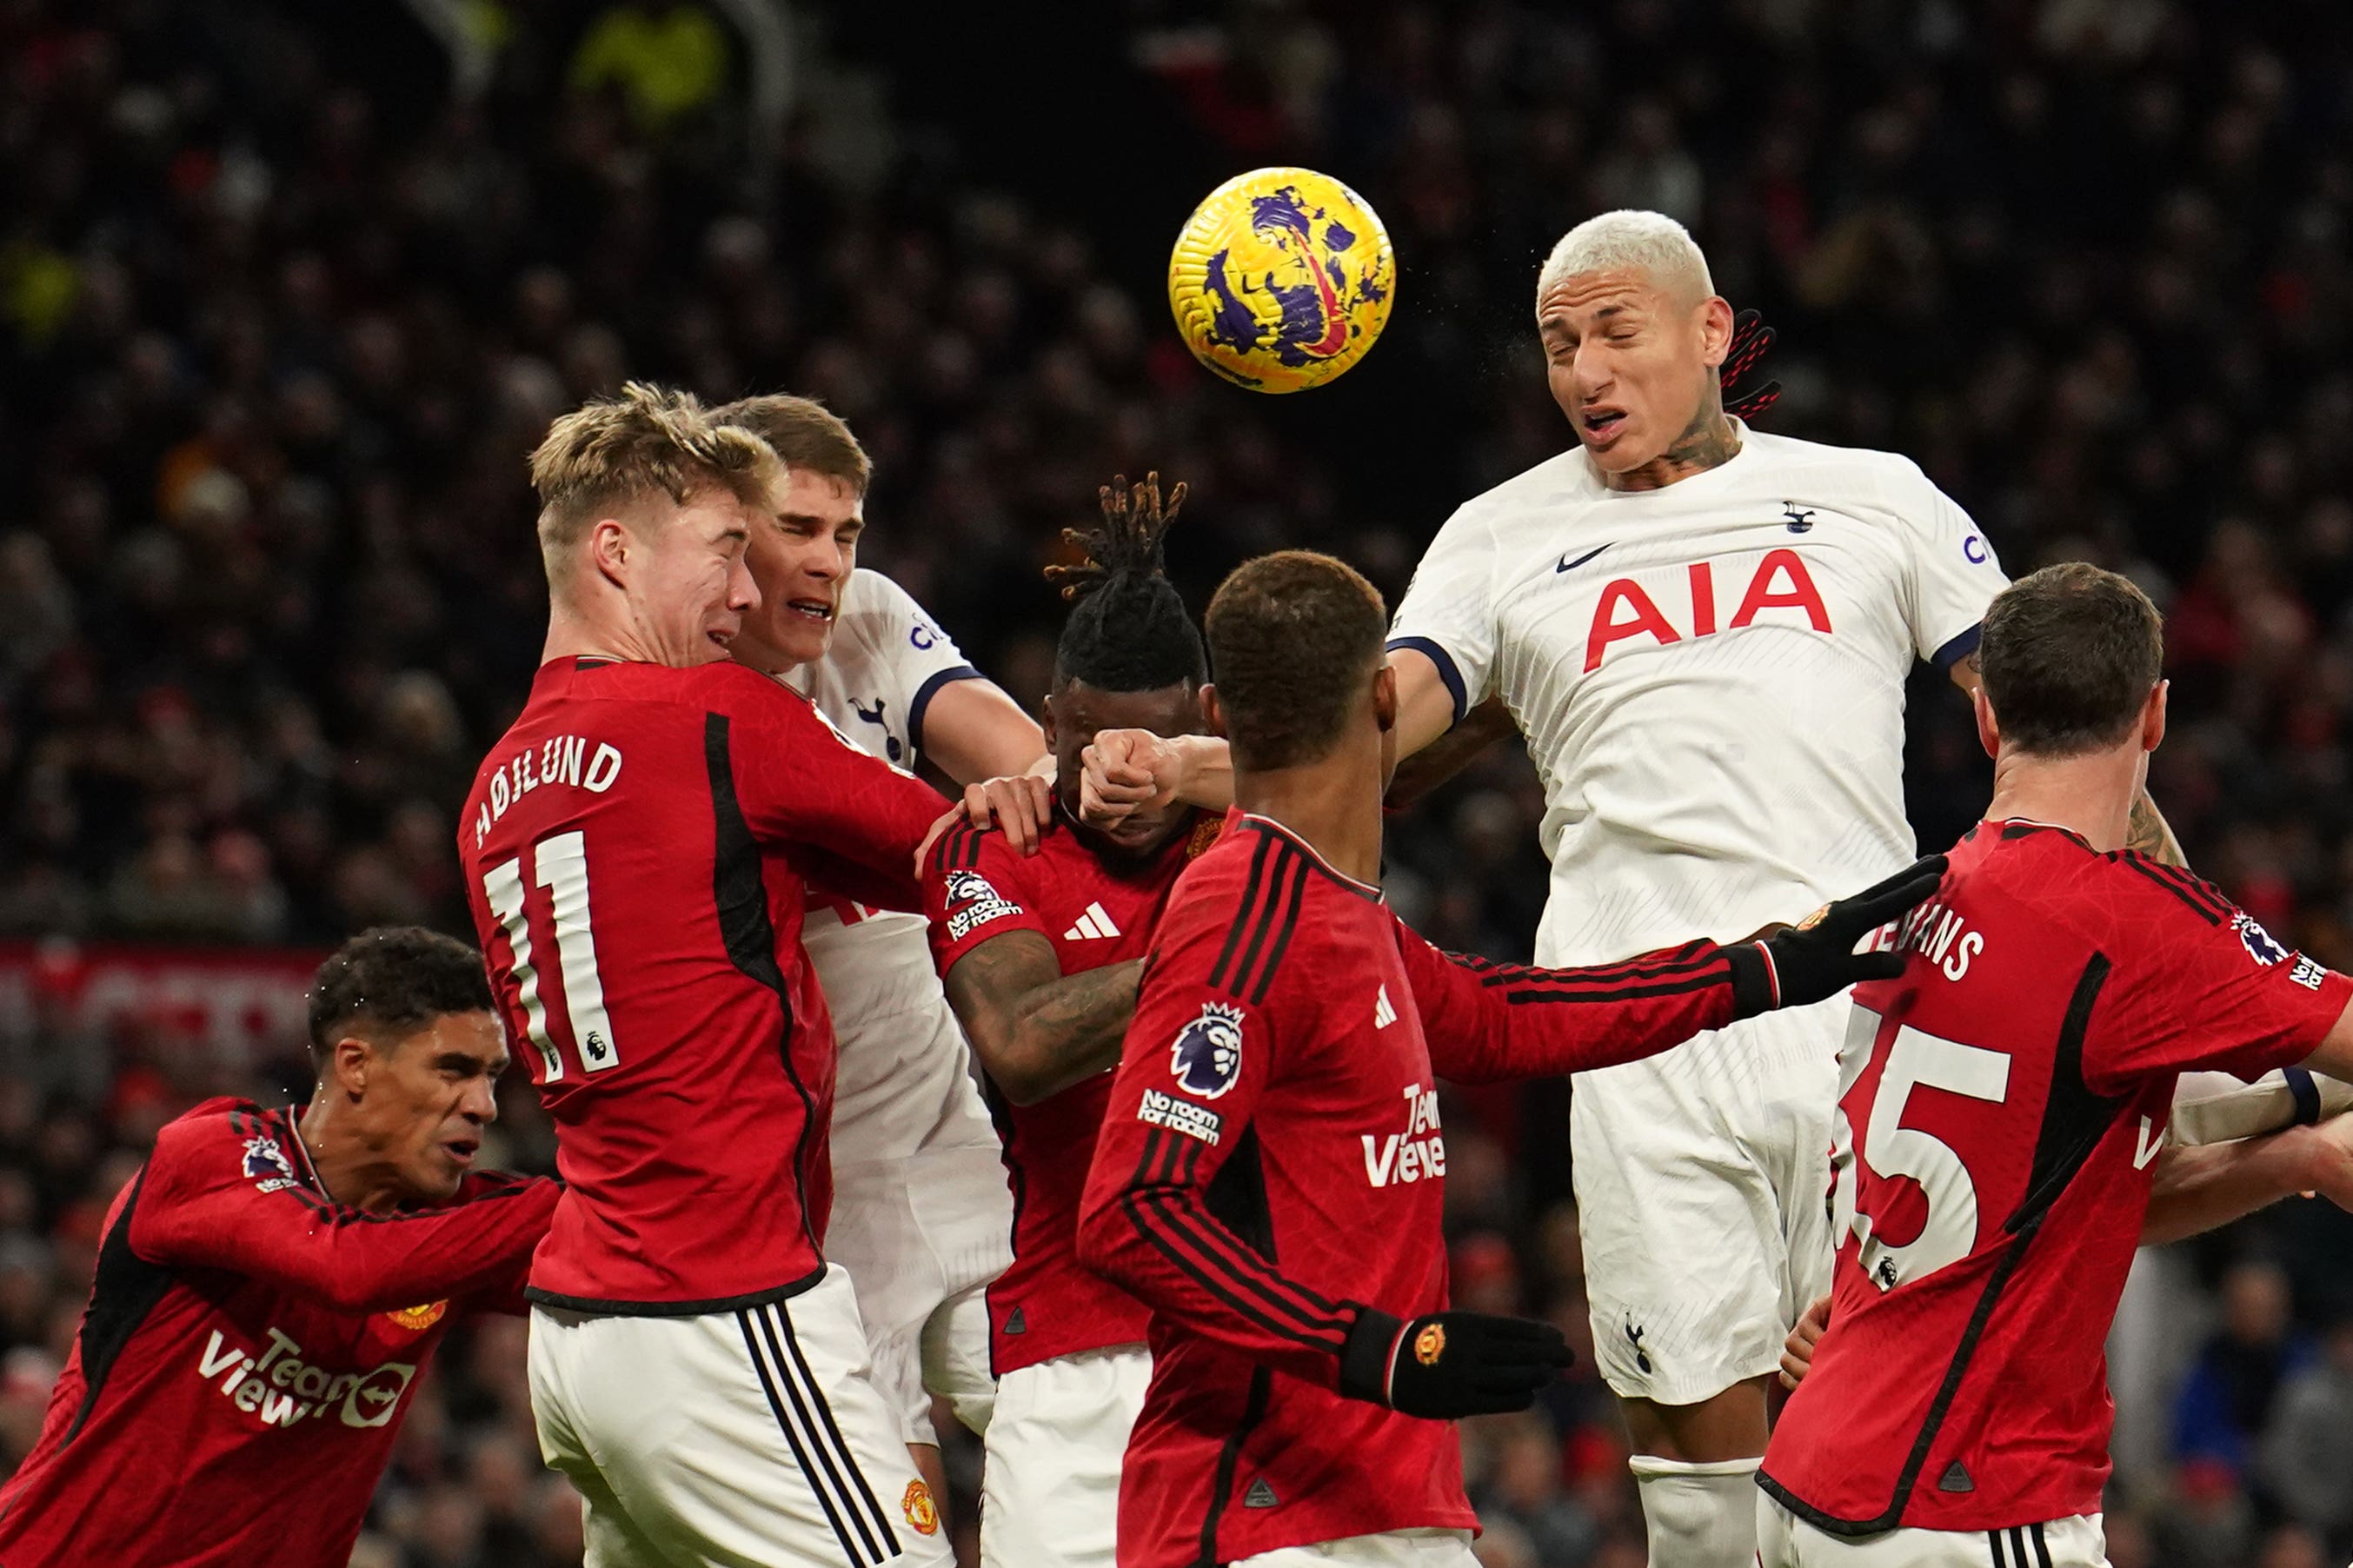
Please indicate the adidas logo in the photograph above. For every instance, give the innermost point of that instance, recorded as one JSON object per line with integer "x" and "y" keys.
{"x": 1956, "y": 1479}
{"x": 1383, "y": 1014}
{"x": 1096, "y": 922}
{"x": 1260, "y": 1495}
{"x": 1016, "y": 1323}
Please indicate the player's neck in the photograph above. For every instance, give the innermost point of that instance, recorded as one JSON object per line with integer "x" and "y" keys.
{"x": 1709, "y": 441}
{"x": 349, "y": 1170}
{"x": 571, "y": 635}
{"x": 1333, "y": 806}
{"x": 2091, "y": 796}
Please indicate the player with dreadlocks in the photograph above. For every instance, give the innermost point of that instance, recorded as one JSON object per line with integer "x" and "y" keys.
{"x": 1041, "y": 955}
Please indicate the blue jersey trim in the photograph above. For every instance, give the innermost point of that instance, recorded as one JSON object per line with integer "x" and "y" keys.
{"x": 1446, "y": 670}
{"x": 1959, "y": 648}
{"x": 924, "y": 695}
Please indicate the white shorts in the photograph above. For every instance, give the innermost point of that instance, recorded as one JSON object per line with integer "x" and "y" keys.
{"x": 1389, "y": 1549}
{"x": 1703, "y": 1184}
{"x": 923, "y": 1238}
{"x": 1785, "y": 1540}
{"x": 730, "y": 1438}
{"x": 1050, "y": 1462}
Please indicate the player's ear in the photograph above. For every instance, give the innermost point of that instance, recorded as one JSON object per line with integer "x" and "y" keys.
{"x": 1384, "y": 696}
{"x": 1211, "y": 713}
{"x": 1988, "y": 730}
{"x": 349, "y": 1065}
{"x": 2152, "y": 718}
{"x": 1714, "y": 331}
{"x": 1046, "y": 720}
{"x": 609, "y": 549}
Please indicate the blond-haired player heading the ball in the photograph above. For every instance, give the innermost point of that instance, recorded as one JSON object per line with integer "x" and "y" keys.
{"x": 1704, "y": 632}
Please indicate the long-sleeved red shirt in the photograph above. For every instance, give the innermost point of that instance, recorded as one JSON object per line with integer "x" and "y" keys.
{"x": 636, "y": 850}
{"x": 1272, "y": 1164}
{"x": 248, "y": 1352}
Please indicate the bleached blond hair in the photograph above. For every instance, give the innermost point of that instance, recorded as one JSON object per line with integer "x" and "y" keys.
{"x": 614, "y": 453}
{"x": 1630, "y": 239}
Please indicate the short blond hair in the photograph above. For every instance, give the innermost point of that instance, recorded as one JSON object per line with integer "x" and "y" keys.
{"x": 1646, "y": 242}
{"x": 614, "y": 453}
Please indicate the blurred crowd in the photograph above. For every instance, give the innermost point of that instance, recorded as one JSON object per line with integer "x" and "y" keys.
{"x": 281, "y": 312}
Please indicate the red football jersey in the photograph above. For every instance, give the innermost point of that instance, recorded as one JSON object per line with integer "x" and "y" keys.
{"x": 2002, "y": 1108}
{"x": 1096, "y": 913}
{"x": 246, "y": 1355}
{"x": 1271, "y": 1157}
{"x": 635, "y": 846}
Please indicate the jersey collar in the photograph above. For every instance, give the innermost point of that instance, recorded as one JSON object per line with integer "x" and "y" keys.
{"x": 1269, "y": 824}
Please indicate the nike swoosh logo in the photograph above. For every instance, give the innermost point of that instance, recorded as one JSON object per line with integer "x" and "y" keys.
{"x": 1568, "y": 566}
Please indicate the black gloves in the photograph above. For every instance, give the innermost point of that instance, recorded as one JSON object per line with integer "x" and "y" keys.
{"x": 1449, "y": 1364}
{"x": 1751, "y": 338}
{"x": 1816, "y": 959}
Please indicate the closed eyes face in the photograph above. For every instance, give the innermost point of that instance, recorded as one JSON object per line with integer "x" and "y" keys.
{"x": 688, "y": 584}
{"x": 1626, "y": 362}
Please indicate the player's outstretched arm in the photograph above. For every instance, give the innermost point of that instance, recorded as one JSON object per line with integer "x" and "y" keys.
{"x": 1422, "y": 771}
{"x": 1488, "y": 1021}
{"x": 1146, "y": 1224}
{"x": 796, "y": 782}
{"x": 979, "y": 737}
{"x": 2197, "y": 1189}
{"x": 1036, "y": 1030}
{"x": 196, "y": 1210}
{"x": 1128, "y": 769}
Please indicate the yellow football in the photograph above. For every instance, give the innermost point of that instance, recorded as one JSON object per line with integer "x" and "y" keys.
{"x": 1282, "y": 280}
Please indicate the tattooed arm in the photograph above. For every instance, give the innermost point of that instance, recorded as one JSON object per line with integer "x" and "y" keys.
{"x": 1036, "y": 1030}
{"x": 2147, "y": 831}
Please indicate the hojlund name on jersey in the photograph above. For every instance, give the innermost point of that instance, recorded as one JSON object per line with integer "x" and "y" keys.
{"x": 1160, "y": 1110}
{"x": 280, "y": 1388}
{"x": 558, "y": 760}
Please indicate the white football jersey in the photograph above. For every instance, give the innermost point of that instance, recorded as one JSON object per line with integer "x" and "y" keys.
{"x": 893, "y": 1092}
{"x": 1710, "y": 676}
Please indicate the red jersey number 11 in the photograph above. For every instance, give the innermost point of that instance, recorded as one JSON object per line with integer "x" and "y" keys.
{"x": 560, "y": 865}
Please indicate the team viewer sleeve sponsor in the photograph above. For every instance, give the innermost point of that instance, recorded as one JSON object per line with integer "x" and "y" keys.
{"x": 2209, "y": 987}
{"x": 223, "y": 1192}
{"x": 1447, "y": 613}
{"x": 796, "y": 780}
{"x": 1488, "y": 1021}
{"x": 1951, "y": 572}
{"x": 1196, "y": 1059}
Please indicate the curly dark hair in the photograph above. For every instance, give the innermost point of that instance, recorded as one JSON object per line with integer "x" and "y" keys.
{"x": 391, "y": 980}
{"x": 1130, "y": 631}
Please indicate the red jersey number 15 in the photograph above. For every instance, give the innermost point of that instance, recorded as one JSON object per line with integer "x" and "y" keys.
{"x": 1895, "y": 1239}
{"x": 559, "y": 864}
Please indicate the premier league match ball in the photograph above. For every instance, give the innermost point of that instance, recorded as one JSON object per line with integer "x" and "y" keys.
{"x": 1282, "y": 280}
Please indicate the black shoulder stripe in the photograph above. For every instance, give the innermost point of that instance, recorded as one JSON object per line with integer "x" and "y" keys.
{"x": 2196, "y": 886}
{"x": 1254, "y": 888}
{"x": 2194, "y": 904}
{"x": 1292, "y": 900}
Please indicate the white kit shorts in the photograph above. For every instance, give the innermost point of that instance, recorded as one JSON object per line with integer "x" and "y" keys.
{"x": 750, "y": 1435}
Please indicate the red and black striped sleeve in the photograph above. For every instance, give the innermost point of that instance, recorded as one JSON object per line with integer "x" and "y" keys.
{"x": 1199, "y": 1054}
{"x": 1487, "y": 1021}
{"x": 235, "y": 1192}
